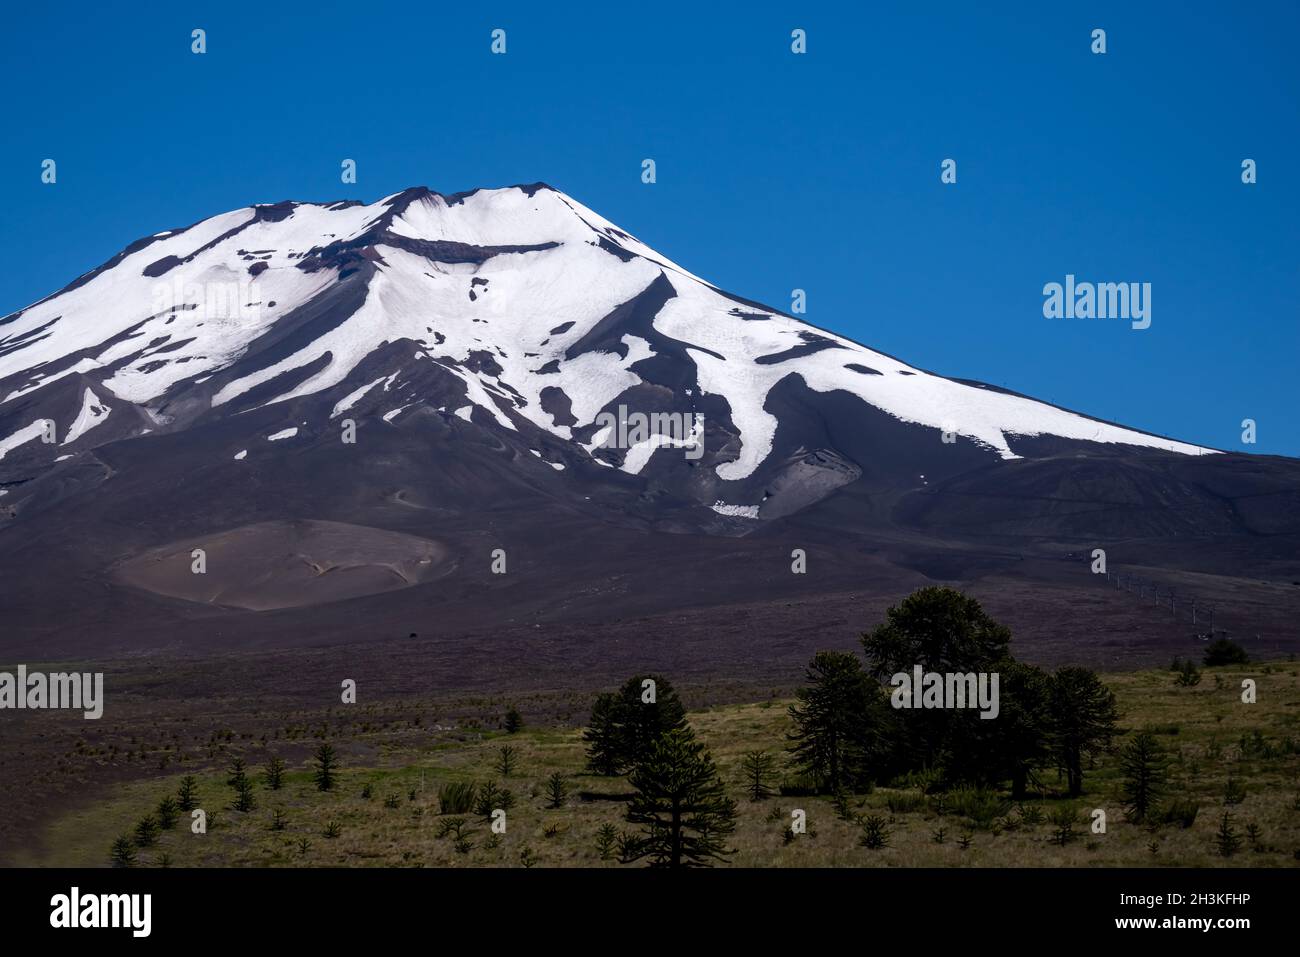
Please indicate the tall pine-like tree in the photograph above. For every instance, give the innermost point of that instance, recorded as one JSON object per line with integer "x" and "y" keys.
{"x": 604, "y": 751}
{"x": 757, "y": 769}
{"x": 940, "y": 629}
{"x": 557, "y": 791}
{"x": 238, "y": 773}
{"x": 680, "y": 805}
{"x": 943, "y": 631}
{"x": 1017, "y": 742}
{"x": 838, "y": 719}
{"x": 626, "y": 724}
{"x": 187, "y": 797}
{"x": 1144, "y": 766}
{"x": 514, "y": 721}
{"x": 1083, "y": 721}
{"x": 648, "y": 709}
{"x": 275, "y": 773}
{"x": 326, "y": 767}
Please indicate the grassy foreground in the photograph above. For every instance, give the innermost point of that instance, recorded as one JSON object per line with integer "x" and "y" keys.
{"x": 1211, "y": 736}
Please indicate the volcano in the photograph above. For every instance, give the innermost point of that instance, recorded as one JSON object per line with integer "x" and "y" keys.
{"x": 302, "y": 422}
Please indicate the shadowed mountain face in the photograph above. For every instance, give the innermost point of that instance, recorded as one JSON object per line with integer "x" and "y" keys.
{"x": 438, "y": 413}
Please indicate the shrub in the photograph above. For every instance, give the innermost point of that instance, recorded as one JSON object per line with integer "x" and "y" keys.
{"x": 1225, "y": 651}
{"x": 800, "y": 786}
{"x": 146, "y": 831}
{"x": 1188, "y": 675}
{"x": 450, "y": 825}
{"x": 843, "y": 804}
{"x": 606, "y": 841}
{"x": 1226, "y": 841}
{"x": 875, "y": 833}
{"x": 123, "y": 852}
{"x": 1180, "y": 811}
{"x": 925, "y": 780}
{"x": 514, "y": 721}
{"x": 167, "y": 813}
{"x": 981, "y": 805}
{"x": 1031, "y": 815}
{"x": 1064, "y": 820}
{"x": 456, "y": 797}
{"x": 905, "y": 802}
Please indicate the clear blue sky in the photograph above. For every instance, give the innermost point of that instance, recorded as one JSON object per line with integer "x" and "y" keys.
{"x": 775, "y": 171}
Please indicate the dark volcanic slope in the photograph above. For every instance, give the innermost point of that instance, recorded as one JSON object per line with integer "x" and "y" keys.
{"x": 493, "y": 411}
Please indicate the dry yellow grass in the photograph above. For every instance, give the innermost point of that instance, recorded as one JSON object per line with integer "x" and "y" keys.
{"x": 1203, "y": 728}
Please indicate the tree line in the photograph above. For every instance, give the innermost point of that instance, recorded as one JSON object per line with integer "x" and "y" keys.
{"x": 846, "y": 737}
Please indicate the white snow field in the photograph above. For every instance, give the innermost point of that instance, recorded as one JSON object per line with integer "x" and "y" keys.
{"x": 524, "y": 308}
{"x": 93, "y": 413}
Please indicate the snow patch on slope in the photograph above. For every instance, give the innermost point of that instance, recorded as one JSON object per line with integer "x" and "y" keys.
{"x": 22, "y": 437}
{"x": 701, "y": 316}
{"x": 93, "y": 413}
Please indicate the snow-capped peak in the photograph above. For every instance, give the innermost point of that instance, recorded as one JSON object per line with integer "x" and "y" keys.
{"x": 540, "y": 310}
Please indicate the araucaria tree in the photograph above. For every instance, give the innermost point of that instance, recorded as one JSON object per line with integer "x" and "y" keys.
{"x": 167, "y": 812}
{"x": 238, "y": 773}
{"x": 601, "y": 736}
{"x": 837, "y": 721}
{"x": 757, "y": 768}
{"x": 1017, "y": 742}
{"x": 942, "y": 631}
{"x": 187, "y": 797}
{"x": 326, "y": 766}
{"x": 1144, "y": 766}
{"x": 557, "y": 791}
{"x": 1083, "y": 721}
{"x": 244, "y": 798}
{"x": 123, "y": 852}
{"x": 514, "y": 721}
{"x": 506, "y": 761}
{"x": 938, "y": 628}
{"x": 625, "y": 725}
{"x": 275, "y": 773}
{"x": 680, "y": 804}
{"x": 243, "y": 786}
